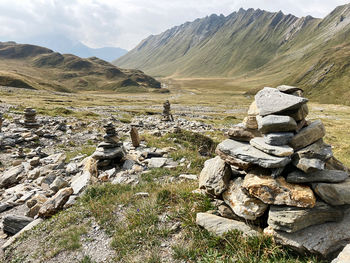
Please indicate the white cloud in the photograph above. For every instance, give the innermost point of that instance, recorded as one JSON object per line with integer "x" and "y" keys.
{"x": 125, "y": 23}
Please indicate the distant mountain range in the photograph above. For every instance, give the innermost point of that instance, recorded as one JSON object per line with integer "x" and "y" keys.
{"x": 257, "y": 48}
{"x": 64, "y": 45}
{"x": 35, "y": 67}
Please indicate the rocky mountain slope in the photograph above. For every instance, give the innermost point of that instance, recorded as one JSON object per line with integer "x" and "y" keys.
{"x": 35, "y": 67}
{"x": 257, "y": 47}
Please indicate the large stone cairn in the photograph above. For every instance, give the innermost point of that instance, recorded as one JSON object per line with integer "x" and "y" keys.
{"x": 29, "y": 118}
{"x": 276, "y": 172}
{"x": 110, "y": 151}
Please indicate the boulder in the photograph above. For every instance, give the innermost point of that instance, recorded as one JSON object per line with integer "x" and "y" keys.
{"x": 55, "y": 203}
{"x": 276, "y": 123}
{"x": 241, "y": 203}
{"x": 322, "y": 239}
{"x": 293, "y": 219}
{"x": 278, "y": 191}
{"x": 14, "y": 223}
{"x": 308, "y": 135}
{"x": 278, "y": 138}
{"x": 344, "y": 256}
{"x": 9, "y": 177}
{"x": 249, "y": 154}
{"x": 281, "y": 151}
{"x": 241, "y": 133}
{"x": 334, "y": 194}
{"x": 215, "y": 176}
{"x": 324, "y": 176}
{"x": 220, "y": 226}
{"x": 272, "y": 101}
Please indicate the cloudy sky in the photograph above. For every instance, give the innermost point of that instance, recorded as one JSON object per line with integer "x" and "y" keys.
{"x": 124, "y": 23}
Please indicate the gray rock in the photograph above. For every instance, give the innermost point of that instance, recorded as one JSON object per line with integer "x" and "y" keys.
{"x": 241, "y": 203}
{"x": 322, "y": 239}
{"x": 299, "y": 114}
{"x": 293, "y": 219}
{"x": 72, "y": 168}
{"x": 224, "y": 151}
{"x": 241, "y": 133}
{"x": 5, "y": 206}
{"x": 344, "y": 256}
{"x": 282, "y": 151}
{"x": 250, "y": 154}
{"x": 309, "y": 165}
{"x": 9, "y": 177}
{"x": 58, "y": 184}
{"x": 308, "y": 135}
{"x": 334, "y": 194}
{"x": 156, "y": 162}
{"x": 80, "y": 182}
{"x": 109, "y": 153}
{"x": 128, "y": 164}
{"x": 278, "y": 138}
{"x": 324, "y": 176}
{"x": 272, "y": 101}
{"x": 276, "y": 123}
{"x": 220, "y": 226}
{"x": 288, "y": 89}
{"x": 14, "y": 223}
{"x": 55, "y": 203}
{"x": 188, "y": 176}
{"x": 215, "y": 176}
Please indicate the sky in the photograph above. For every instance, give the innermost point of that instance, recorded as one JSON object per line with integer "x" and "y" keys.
{"x": 124, "y": 23}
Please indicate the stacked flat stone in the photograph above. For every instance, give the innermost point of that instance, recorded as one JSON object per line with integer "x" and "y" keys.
{"x": 109, "y": 152}
{"x": 276, "y": 171}
{"x": 1, "y": 121}
{"x": 30, "y": 118}
{"x": 167, "y": 116}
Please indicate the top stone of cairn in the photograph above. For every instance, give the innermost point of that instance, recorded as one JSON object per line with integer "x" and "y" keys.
{"x": 281, "y": 101}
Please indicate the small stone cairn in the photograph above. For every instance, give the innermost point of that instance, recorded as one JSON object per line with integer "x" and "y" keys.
{"x": 276, "y": 174}
{"x": 167, "y": 116}
{"x": 110, "y": 151}
{"x": 29, "y": 118}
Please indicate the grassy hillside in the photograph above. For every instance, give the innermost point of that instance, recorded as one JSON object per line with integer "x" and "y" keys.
{"x": 255, "y": 48}
{"x": 34, "y": 67}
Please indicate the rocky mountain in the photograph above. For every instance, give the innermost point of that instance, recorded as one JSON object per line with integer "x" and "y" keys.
{"x": 35, "y": 67}
{"x": 257, "y": 48}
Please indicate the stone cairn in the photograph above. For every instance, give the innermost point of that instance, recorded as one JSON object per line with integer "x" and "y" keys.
{"x": 29, "y": 118}
{"x": 1, "y": 121}
{"x": 276, "y": 173}
{"x": 167, "y": 116}
{"x": 109, "y": 152}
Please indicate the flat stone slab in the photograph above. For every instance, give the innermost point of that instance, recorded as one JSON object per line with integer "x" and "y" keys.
{"x": 250, "y": 154}
{"x": 288, "y": 89}
{"x": 157, "y": 162}
{"x": 278, "y": 138}
{"x": 241, "y": 133}
{"x": 276, "y": 123}
{"x": 272, "y": 101}
{"x": 12, "y": 224}
{"x": 215, "y": 176}
{"x": 308, "y": 135}
{"x": 344, "y": 256}
{"x": 223, "y": 150}
{"x": 323, "y": 239}
{"x": 109, "y": 153}
{"x": 220, "y": 226}
{"x": 281, "y": 151}
{"x": 324, "y": 176}
{"x": 241, "y": 203}
{"x": 278, "y": 191}
{"x": 334, "y": 194}
{"x": 293, "y": 219}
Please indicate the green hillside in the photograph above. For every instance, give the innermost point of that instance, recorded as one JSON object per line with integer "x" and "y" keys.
{"x": 34, "y": 67}
{"x": 257, "y": 48}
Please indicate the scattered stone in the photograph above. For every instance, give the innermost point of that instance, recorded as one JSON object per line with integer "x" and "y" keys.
{"x": 324, "y": 176}
{"x": 278, "y": 138}
{"x": 278, "y": 191}
{"x": 188, "y": 176}
{"x": 157, "y": 162}
{"x": 5, "y": 206}
{"x": 334, "y": 194}
{"x": 72, "y": 168}
{"x": 281, "y": 151}
{"x": 276, "y": 123}
{"x": 220, "y": 226}
{"x": 12, "y": 224}
{"x": 141, "y": 194}
{"x": 308, "y": 135}
{"x": 58, "y": 184}
{"x": 135, "y": 138}
{"x": 80, "y": 182}
{"x": 344, "y": 256}
{"x": 9, "y": 177}
{"x": 240, "y": 133}
{"x": 293, "y": 219}
{"x": 281, "y": 101}
{"x": 241, "y": 203}
{"x": 215, "y": 176}
{"x": 55, "y": 203}
{"x": 35, "y": 161}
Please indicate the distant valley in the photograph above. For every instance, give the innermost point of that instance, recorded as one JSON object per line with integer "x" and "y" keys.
{"x": 255, "y": 48}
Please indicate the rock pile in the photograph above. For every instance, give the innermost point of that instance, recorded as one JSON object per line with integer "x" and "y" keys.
{"x": 276, "y": 172}
{"x": 29, "y": 118}
{"x": 109, "y": 152}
